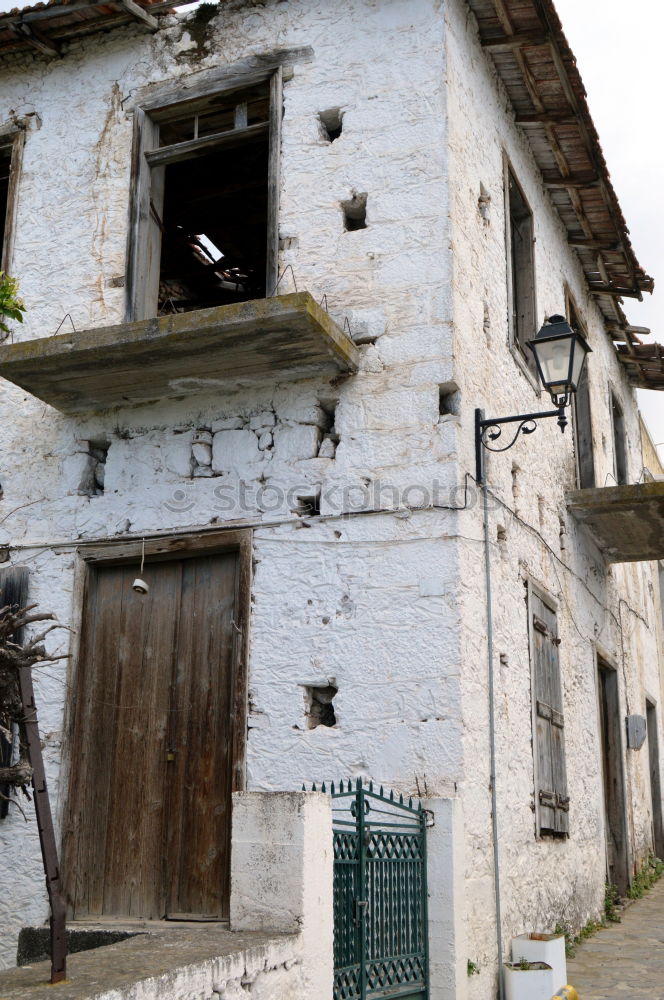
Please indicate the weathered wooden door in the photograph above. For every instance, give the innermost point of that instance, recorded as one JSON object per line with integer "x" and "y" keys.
{"x": 612, "y": 774}
{"x": 155, "y": 740}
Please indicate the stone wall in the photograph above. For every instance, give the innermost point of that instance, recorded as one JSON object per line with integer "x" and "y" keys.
{"x": 600, "y": 609}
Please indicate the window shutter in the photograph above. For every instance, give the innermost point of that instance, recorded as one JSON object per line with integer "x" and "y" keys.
{"x": 549, "y": 722}
{"x": 13, "y": 591}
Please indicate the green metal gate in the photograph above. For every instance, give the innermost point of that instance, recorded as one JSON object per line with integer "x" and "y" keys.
{"x": 380, "y": 895}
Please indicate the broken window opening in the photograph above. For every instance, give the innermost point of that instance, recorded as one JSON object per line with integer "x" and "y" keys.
{"x": 355, "y": 212}
{"x": 204, "y": 208}
{"x": 619, "y": 448}
{"x": 582, "y": 416}
{"x": 94, "y": 471}
{"x": 5, "y": 172}
{"x": 319, "y": 707}
{"x": 332, "y": 123}
{"x": 521, "y": 266}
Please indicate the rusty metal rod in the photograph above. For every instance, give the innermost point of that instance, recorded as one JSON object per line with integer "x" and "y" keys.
{"x": 45, "y": 826}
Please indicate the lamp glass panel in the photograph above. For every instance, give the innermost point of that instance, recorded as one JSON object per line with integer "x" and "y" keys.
{"x": 580, "y": 351}
{"x": 554, "y": 358}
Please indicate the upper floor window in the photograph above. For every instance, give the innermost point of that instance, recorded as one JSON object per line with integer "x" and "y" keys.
{"x": 619, "y": 445}
{"x": 520, "y": 268}
{"x": 204, "y": 201}
{"x": 583, "y": 430}
{"x": 10, "y": 148}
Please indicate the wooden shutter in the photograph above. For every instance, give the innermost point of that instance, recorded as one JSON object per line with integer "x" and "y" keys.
{"x": 13, "y": 591}
{"x": 552, "y": 800}
{"x": 144, "y": 236}
{"x": 584, "y": 434}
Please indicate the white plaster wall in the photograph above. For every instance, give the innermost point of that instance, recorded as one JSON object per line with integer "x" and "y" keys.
{"x": 544, "y": 882}
{"x": 368, "y": 601}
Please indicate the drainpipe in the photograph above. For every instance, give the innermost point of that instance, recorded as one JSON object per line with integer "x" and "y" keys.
{"x": 492, "y": 736}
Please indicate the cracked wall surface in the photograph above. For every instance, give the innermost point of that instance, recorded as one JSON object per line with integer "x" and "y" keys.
{"x": 389, "y": 608}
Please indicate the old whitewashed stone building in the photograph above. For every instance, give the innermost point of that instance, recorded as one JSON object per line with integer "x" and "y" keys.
{"x": 274, "y": 256}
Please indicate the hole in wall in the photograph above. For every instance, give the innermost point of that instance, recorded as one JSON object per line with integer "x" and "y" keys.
{"x": 319, "y": 707}
{"x": 501, "y": 533}
{"x": 93, "y": 476}
{"x": 329, "y": 436}
{"x": 448, "y": 399}
{"x": 332, "y": 123}
{"x": 355, "y": 212}
{"x": 308, "y": 506}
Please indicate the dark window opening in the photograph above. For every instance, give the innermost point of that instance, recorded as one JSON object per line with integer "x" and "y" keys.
{"x": 355, "y": 212}
{"x": 5, "y": 169}
{"x": 214, "y": 235}
{"x": 209, "y": 202}
{"x": 583, "y": 430}
{"x": 319, "y": 706}
{"x": 522, "y": 269}
{"x": 332, "y": 122}
{"x": 619, "y": 449}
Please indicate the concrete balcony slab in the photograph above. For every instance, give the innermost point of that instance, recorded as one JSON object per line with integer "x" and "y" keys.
{"x": 626, "y": 522}
{"x": 180, "y": 355}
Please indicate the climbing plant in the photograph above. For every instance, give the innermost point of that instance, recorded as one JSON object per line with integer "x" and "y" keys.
{"x": 11, "y": 306}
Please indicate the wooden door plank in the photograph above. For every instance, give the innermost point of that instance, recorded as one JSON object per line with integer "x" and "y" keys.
{"x": 133, "y": 864}
{"x": 199, "y": 811}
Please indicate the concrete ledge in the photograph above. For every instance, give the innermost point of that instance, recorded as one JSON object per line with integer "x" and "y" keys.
{"x": 180, "y": 355}
{"x": 210, "y": 963}
{"x": 34, "y": 942}
{"x": 627, "y": 522}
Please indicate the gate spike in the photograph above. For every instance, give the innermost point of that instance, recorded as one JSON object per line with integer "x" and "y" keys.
{"x": 391, "y": 795}
{"x": 410, "y": 802}
{"x": 322, "y": 787}
{"x": 304, "y": 787}
{"x": 371, "y": 786}
{"x": 313, "y": 787}
{"x": 358, "y": 784}
{"x": 401, "y": 799}
{"x": 332, "y": 788}
{"x": 382, "y": 794}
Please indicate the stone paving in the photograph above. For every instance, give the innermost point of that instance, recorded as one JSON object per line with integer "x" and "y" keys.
{"x": 625, "y": 959}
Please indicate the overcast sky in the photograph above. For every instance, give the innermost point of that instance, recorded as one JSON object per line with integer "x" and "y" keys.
{"x": 618, "y": 47}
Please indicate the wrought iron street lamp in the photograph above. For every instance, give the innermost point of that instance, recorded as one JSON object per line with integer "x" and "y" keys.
{"x": 560, "y": 354}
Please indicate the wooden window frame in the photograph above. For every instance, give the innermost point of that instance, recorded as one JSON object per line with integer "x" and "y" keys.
{"x": 163, "y": 548}
{"x": 517, "y": 334}
{"x": 552, "y": 604}
{"x": 148, "y": 175}
{"x": 14, "y": 139}
{"x": 586, "y": 478}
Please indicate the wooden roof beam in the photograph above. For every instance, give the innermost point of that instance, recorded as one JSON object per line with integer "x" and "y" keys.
{"x": 545, "y": 118}
{"x": 516, "y": 41}
{"x": 619, "y": 293}
{"x": 571, "y": 181}
{"x": 140, "y": 13}
{"x": 35, "y": 38}
{"x": 583, "y": 243}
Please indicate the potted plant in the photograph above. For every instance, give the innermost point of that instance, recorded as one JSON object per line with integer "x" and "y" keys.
{"x": 526, "y": 980}
{"x": 538, "y": 947}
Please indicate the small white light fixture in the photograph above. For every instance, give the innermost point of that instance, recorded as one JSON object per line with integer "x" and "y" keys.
{"x": 139, "y": 585}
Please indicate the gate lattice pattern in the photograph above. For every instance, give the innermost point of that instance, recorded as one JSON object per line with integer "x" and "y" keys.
{"x": 380, "y": 895}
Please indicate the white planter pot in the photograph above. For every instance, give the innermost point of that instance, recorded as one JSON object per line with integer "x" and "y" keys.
{"x": 549, "y": 948}
{"x": 529, "y": 984}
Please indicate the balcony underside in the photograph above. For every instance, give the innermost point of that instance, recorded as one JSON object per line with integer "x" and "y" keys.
{"x": 180, "y": 355}
{"x": 627, "y": 522}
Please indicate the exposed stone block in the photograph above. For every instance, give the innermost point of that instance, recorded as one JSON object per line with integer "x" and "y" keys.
{"x": 232, "y": 449}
